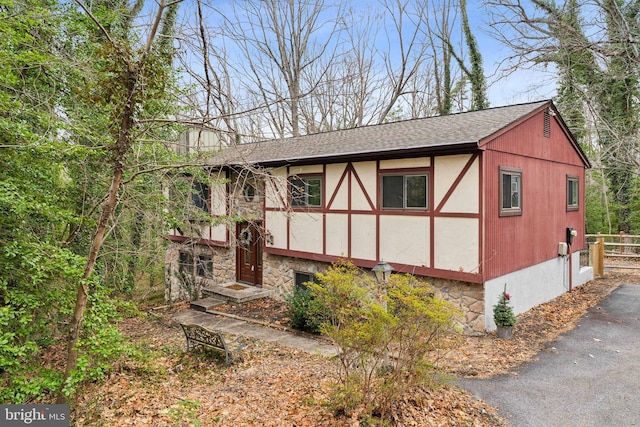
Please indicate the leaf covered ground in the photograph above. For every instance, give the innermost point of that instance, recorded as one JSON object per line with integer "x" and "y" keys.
{"x": 277, "y": 386}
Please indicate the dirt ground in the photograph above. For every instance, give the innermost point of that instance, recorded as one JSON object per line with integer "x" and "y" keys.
{"x": 276, "y": 386}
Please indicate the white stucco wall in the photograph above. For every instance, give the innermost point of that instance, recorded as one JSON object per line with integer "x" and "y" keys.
{"x": 457, "y": 244}
{"x": 305, "y": 232}
{"x": 406, "y": 239}
{"x": 337, "y": 234}
{"x": 534, "y": 285}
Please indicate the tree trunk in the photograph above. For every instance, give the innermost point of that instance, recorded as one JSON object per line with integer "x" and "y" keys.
{"x": 123, "y": 145}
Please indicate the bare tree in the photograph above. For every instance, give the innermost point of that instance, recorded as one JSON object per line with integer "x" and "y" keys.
{"x": 280, "y": 41}
{"x": 598, "y": 59}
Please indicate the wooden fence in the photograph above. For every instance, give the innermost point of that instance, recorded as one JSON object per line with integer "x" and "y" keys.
{"x": 613, "y": 251}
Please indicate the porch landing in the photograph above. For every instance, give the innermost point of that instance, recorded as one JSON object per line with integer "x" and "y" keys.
{"x": 235, "y": 293}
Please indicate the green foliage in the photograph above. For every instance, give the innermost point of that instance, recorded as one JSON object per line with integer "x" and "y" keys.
{"x": 185, "y": 410}
{"x": 384, "y": 334}
{"x": 306, "y": 312}
{"x": 502, "y": 312}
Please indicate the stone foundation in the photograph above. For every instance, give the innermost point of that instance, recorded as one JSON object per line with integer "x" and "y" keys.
{"x": 223, "y": 271}
{"x": 278, "y": 275}
{"x": 467, "y": 297}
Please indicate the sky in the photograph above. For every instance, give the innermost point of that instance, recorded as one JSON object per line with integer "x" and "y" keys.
{"x": 518, "y": 87}
{"x": 524, "y": 85}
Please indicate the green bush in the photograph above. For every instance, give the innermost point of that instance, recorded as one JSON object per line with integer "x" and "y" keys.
{"x": 306, "y": 312}
{"x": 384, "y": 333}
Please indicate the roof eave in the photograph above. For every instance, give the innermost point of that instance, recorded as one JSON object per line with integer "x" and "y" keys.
{"x": 444, "y": 149}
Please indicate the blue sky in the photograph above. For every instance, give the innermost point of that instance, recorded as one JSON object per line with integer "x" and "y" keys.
{"x": 520, "y": 86}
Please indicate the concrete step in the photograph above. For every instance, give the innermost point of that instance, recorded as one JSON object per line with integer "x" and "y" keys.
{"x": 235, "y": 292}
{"x": 204, "y": 304}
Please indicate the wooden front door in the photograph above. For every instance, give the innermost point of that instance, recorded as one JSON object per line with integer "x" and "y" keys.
{"x": 249, "y": 253}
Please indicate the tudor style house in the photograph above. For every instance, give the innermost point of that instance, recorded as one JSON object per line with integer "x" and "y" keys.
{"x": 471, "y": 201}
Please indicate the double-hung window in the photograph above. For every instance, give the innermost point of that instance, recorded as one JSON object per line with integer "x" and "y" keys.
{"x": 405, "y": 191}
{"x": 200, "y": 195}
{"x": 572, "y": 193}
{"x": 205, "y": 266}
{"x": 185, "y": 263}
{"x": 510, "y": 191}
{"x": 306, "y": 191}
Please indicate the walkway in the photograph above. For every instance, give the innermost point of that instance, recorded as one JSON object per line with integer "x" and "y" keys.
{"x": 238, "y": 326}
{"x": 588, "y": 376}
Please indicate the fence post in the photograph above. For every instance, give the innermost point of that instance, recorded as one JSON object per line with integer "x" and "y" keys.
{"x": 596, "y": 255}
{"x": 621, "y": 242}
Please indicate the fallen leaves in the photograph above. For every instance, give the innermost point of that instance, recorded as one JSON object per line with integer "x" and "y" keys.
{"x": 277, "y": 386}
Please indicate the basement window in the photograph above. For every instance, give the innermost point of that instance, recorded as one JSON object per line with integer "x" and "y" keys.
{"x": 510, "y": 191}
{"x": 205, "y": 266}
{"x": 185, "y": 263}
{"x": 303, "y": 277}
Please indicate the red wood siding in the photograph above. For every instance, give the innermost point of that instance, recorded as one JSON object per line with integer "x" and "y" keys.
{"x": 512, "y": 243}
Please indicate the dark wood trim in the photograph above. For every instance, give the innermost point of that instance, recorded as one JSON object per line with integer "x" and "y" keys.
{"x": 414, "y": 170}
{"x": 378, "y": 189}
{"x": 203, "y": 242}
{"x": 457, "y": 181}
{"x": 398, "y": 268}
{"x": 349, "y": 206}
{"x": 362, "y": 187}
{"x": 338, "y": 185}
{"x": 432, "y": 220}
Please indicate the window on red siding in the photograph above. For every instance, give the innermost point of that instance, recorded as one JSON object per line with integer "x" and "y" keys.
{"x": 510, "y": 191}
{"x": 572, "y": 193}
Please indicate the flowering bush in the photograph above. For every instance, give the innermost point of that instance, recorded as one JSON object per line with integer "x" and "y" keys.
{"x": 502, "y": 312}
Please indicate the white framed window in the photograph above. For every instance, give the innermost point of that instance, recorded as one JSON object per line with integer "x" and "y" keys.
{"x": 408, "y": 191}
{"x": 510, "y": 191}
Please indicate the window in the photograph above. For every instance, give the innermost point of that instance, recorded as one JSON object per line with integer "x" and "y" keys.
{"x": 205, "y": 266}
{"x": 306, "y": 191}
{"x": 404, "y": 192}
{"x": 185, "y": 263}
{"x": 302, "y": 278}
{"x": 510, "y": 192}
{"x": 572, "y": 193}
{"x": 200, "y": 195}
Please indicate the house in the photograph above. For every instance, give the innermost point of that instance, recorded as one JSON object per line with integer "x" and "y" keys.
{"x": 471, "y": 201}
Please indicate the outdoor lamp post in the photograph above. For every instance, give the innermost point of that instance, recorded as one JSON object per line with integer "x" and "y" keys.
{"x": 382, "y": 271}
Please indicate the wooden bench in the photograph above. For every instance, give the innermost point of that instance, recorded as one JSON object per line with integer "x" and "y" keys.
{"x": 199, "y": 335}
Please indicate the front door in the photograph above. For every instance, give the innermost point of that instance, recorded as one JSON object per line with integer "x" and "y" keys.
{"x": 249, "y": 253}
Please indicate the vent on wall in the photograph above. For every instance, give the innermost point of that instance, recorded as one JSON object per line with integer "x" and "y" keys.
{"x": 547, "y": 124}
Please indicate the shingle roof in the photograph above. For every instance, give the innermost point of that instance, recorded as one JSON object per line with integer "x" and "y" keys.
{"x": 433, "y": 132}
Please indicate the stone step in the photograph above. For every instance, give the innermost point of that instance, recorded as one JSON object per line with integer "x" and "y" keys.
{"x": 204, "y": 304}
{"x": 235, "y": 292}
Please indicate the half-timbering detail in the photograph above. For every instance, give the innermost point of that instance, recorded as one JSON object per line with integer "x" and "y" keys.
{"x": 470, "y": 201}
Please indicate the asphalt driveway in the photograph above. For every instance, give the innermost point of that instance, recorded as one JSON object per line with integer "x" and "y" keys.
{"x": 587, "y": 377}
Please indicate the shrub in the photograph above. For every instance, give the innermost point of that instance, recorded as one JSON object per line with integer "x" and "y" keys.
{"x": 383, "y": 334}
{"x": 502, "y": 312}
{"x": 306, "y": 312}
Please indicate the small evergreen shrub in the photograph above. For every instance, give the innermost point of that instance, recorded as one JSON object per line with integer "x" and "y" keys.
{"x": 306, "y": 312}
{"x": 502, "y": 312}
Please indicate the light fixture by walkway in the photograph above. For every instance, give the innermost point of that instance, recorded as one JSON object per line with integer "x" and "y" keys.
{"x": 382, "y": 271}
